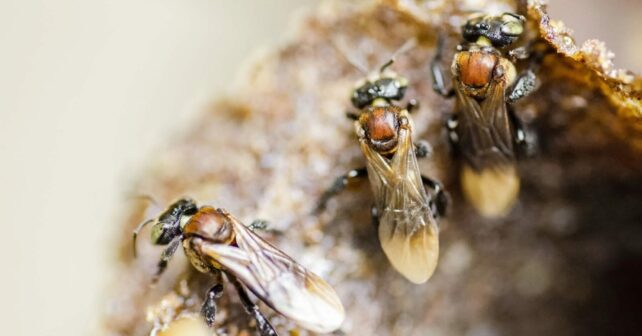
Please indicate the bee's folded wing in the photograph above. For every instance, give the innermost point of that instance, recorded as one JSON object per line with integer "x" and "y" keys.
{"x": 412, "y": 248}
{"x": 279, "y": 281}
{"x": 408, "y": 230}
{"x": 485, "y": 134}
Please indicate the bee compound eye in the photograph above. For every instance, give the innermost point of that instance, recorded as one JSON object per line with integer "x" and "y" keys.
{"x": 157, "y": 233}
{"x": 362, "y": 96}
{"x": 512, "y": 28}
{"x": 506, "y": 17}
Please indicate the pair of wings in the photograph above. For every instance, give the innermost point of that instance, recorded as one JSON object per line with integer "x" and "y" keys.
{"x": 408, "y": 230}
{"x": 484, "y": 129}
{"x": 278, "y": 280}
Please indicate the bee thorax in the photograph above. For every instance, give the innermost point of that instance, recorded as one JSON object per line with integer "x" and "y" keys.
{"x": 210, "y": 224}
{"x": 475, "y": 69}
{"x": 381, "y": 127}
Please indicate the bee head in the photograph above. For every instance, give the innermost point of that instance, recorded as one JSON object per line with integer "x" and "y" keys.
{"x": 381, "y": 127}
{"x": 388, "y": 88}
{"x": 501, "y": 30}
{"x": 169, "y": 224}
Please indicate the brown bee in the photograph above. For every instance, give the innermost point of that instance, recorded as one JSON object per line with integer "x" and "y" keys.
{"x": 216, "y": 242}
{"x": 404, "y": 213}
{"x": 484, "y": 130}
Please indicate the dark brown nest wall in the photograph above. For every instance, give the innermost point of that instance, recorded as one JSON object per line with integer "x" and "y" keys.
{"x": 567, "y": 260}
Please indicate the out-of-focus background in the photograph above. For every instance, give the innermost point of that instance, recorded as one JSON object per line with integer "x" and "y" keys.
{"x": 90, "y": 89}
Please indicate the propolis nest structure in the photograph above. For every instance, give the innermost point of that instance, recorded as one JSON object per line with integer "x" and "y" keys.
{"x": 565, "y": 261}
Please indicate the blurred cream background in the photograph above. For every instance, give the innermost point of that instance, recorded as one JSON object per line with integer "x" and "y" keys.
{"x": 90, "y": 88}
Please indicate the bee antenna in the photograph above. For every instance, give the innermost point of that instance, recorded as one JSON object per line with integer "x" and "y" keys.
{"x": 348, "y": 57}
{"x": 386, "y": 65}
{"x": 144, "y": 197}
{"x": 411, "y": 43}
{"x": 137, "y": 230}
{"x": 522, "y": 7}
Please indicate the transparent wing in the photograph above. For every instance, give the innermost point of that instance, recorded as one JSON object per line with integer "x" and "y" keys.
{"x": 484, "y": 130}
{"x": 408, "y": 231}
{"x": 380, "y": 174}
{"x": 279, "y": 281}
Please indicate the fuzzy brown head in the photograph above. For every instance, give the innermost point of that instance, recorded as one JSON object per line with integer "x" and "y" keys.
{"x": 211, "y": 225}
{"x": 381, "y": 127}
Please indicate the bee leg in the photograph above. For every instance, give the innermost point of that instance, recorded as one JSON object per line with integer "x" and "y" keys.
{"x": 422, "y": 149}
{"x": 413, "y": 105}
{"x": 525, "y": 139}
{"x": 451, "y": 127}
{"x": 262, "y": 323}
{"x": 166, "y": 256}
{"x": 262, "y": 225}
{"x": 352, "y": 115}
{"x": 439, "y": 203}
{"x": 524, "y": 85}
{"x": 339, "y": 185}
{"x": 208, "y": 310}
{"x": 258, "y": 224}
{"x": 374, "y": 216}
{"x": 526, "y": 82}
{"x": 520, "y": 53}
{"x": 438, "y": 78}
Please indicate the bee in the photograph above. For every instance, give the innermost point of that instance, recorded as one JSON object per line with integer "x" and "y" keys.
{"x": 484, "y": 130}
{"x": 217, "y": 243}
{"x": 404, "y": 213}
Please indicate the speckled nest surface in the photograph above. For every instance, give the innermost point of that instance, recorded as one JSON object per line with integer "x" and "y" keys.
{"x": 565, "y": 261}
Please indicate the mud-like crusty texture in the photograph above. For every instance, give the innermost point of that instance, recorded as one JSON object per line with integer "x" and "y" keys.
{"x": 566, "y": 260}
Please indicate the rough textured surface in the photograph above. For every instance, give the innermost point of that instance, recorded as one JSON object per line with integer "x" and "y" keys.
{"x": 565, "y": 261}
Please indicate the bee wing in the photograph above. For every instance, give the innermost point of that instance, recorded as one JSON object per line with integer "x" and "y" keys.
{"x": 279, "y": 281}
{"x": 484, "y": 130}
{"x": 408, "y": 231}
{"x": 380, "y": 173}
